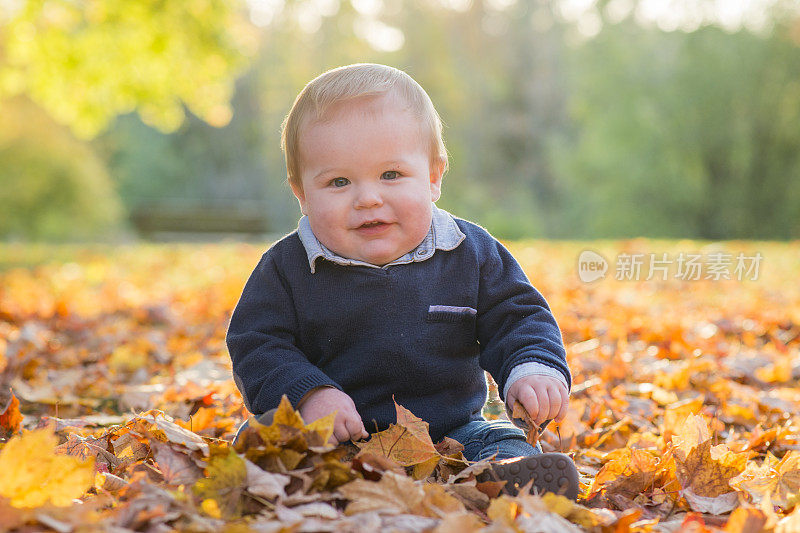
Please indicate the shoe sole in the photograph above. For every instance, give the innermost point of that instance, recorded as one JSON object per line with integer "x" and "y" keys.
{"x": 550, "y": 472}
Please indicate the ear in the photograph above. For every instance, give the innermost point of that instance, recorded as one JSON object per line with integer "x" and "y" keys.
{"x": 297, "y": 190}
{"x": 437, "y": 173}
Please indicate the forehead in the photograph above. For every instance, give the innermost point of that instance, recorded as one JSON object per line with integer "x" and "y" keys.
{"x": 374, "y": 124}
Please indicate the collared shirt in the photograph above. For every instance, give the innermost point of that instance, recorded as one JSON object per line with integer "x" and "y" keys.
{"x": 443, "y": 235}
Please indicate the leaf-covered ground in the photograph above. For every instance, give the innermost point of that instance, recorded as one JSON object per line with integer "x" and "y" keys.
{"x": 685, "y": 410}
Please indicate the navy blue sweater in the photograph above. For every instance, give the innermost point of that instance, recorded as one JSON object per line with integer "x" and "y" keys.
{"x": 421, "y": 332}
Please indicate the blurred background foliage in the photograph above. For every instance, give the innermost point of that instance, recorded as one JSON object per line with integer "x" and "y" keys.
{"x": 564, "y": 118}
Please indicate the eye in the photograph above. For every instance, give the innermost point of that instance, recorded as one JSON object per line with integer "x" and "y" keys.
{"x": 390, "y": 175}
{"x": 339, "y": 182}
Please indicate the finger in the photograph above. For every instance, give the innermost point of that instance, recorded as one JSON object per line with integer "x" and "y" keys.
{"x": 340, "y": 432}
{"x": 554, "y": 396}
{"x": 364, "y": 432}
{"x": 562, "y": 412}
{"x": 354, "y": 427}
{"x": 544, "y": 406}
{"x": 528, "y": 399}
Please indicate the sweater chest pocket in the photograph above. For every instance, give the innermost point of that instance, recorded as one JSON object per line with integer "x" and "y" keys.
{"x": 452, "y": 328}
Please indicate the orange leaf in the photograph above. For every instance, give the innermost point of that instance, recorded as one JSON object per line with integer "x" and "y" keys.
{"x": 11, "y": 418}
{"x": 745, "y": 520}
{"x": 407, "y": 443}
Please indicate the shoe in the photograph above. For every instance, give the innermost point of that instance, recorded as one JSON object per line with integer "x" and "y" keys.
{"x": 550, "y": 472}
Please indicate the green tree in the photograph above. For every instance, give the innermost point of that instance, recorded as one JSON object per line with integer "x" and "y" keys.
{"x": 684, "y": 134}
{"x": 53, "y": 186}
{"x": 87, "y": 61}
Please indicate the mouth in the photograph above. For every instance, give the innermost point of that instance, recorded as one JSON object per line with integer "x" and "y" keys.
{"x": 372, "y": 226}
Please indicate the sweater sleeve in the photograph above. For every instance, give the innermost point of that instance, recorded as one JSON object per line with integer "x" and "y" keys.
{"x": 262, "y": 341}
{"x": 515, "y": 325}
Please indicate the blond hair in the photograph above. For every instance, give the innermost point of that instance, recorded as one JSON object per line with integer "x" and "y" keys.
{"x": 353, "y": 81}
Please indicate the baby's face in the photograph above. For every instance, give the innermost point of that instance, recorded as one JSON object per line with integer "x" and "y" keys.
{"x": 367, "y": 179}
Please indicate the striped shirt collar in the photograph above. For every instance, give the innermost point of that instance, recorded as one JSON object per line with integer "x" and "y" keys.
{"x": 443, "y": 235}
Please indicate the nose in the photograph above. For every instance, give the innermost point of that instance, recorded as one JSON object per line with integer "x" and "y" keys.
{"x": 367, "y": 196}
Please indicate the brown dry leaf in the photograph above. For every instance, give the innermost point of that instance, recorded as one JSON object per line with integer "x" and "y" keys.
{"x": 31, "y": 474}
{"x": 400, "y": 445}
{"x": 780, "y": 480}
{"x": 392, "y": 494}
{"x": 265, "y": 484}
{"x": 469, "y": 494}
{"x": 109, "y": 482}
{"x": 491, "y": 488}
{"x": 707, "y": 470}
{"x": 81, "y": 448}
{"x": 174, "y": 433}
{"x": 532, "y": 432}
{"x": 176, "y": 467}
{"x": 373, "y": 466}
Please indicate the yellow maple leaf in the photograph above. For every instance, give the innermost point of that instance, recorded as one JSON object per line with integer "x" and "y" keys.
{"x": 323, "y": 426}
{"x": 287, "y": 416}
{"x": 31, "y": 474}
{"x": 226, "y": 479}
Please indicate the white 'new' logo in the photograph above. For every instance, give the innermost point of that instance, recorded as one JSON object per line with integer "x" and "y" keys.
{"x": 591, "y": 266}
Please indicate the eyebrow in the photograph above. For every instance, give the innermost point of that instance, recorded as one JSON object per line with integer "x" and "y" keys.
{"x": 390, "y": 163}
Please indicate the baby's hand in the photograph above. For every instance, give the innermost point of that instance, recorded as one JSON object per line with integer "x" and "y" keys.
{"x": 543, "y": 397}
{"x": 324, "y": 401}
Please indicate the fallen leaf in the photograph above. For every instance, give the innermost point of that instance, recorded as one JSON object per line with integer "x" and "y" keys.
{"x": 630, "y": 472}
{"x": 532, "y": 431}
{"x": 265, "y": 484}
{"x": 790, "y": 523}
{"x": 226, "y": 478}
{"x": 10, "y": 417}
{"x": 463, "y": 522}
{"x": 400, "y": 445}
{"x": 174, "y": 433}
{"x": 706, "y": 471}
{"x": 176, "y": 467}
{"x": 31, "y": 474}
{"x": 392, "y": 494}
{"x": 745, "y": 521}
{"x": 780, "y": 480}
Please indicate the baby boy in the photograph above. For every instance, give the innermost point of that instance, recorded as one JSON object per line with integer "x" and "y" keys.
{"x": 379, "y": 296}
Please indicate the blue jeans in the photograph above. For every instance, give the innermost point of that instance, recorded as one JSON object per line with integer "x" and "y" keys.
{"x": 484, "y": 438}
